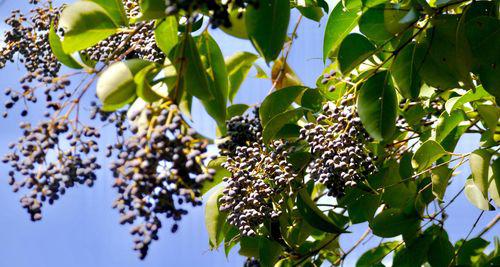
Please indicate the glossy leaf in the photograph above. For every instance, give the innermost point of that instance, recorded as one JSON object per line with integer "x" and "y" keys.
{"x": 269, "y": 252}
{"x": 354, "y": 50}
{"x": 115, "y": 9}
{"x": 217, "y": 77}
{"x": 314, "y": 216}
{"x": 392, "y": 222}
{"x": 404, "y": 71}
{"x": 377, "y": 106}
{"x": 278, "y": 102}
{"x": 238, "y": 66}
{"x": 85, "y": 24}
{"x": 236, "y": 110}
{"x": 188, "y": 63}
{"x": 475, "y": 196}
{"x": 479, "y": 165}
{"x": 340, "y": 23}
{"x": 116, "y": 86}
{"x": 447, "y": 123}
{"x": 267, "y": 26}
{"x": 427, "y": 154}
{"x": 220, "y": 173}
{"x": 470, "y": 96}
{"x": 441, "y": 66}
{"x": 272, "y": 128}
{"x": 151, "y": 9}
{"x": 166, "y": 34}
{"x": 484, "y": 38}
{"x": 375, "y": 255}
{"x": 214, "y": 219}
{"x": 440, "y": 178}
{"x": 57, "y": 50}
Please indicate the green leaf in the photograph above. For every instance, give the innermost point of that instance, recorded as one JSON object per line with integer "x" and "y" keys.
{"x": 272, "y": 128}
{"x": 314, "y": 216}
{"x": 220, "y": 173}
{"x": 490, "y": 115}
{"x": 479, "y": 165}
{"x": 142, "y": 80}
{"x": 440, "y": 178}
{"x": 494, "y": 188}
{"x": 214, "y": 219}
{"x": 447, "y": 123}
{"x": 442, "y": 65}
{"x": 218, "y": 79}
{"x": 340, "y": 23}
{"x": 375, "y": 255}
{"x": 475, "y": 196}
{"x": 230, "y": 240}
{"x": 236, "y": 110}
{"x": 397, "y": 194}
{"x": 115, "y": 10}
{"x": 312, "y": 99}
{"x": 392, "y": 222}
{"x": 193, "y": 72}
{"x": 267, "y": 26}
{"x": 278, "y": 102}
{"x": 57, "y": 50}
{"x": 484, "y": 38}
{"x": 353, "y": 51}
{"x": 166, "y": 34}
{"x": 269, "y": 252}
{"x": 471, "y": 95}
{"x": 441, "y": 251}
{"x": 249, "y": 246}
{"x": 151, "y": 9}
{"x": 116, "y": 86}
{"x": 238, "y": 28}
{"x": 360, "y": 205}
{"x": 314, "y": 13}
{"x": 372, "y": 24}
{"x": 238, "y": 66}
{"x": 414, "y": 254}
{"x": 377, "y": 106}
{"x": 404, "y": 71}
{"x": 469, "y": 250}
{"x": 427, "y": 154}
{"x": 85, "y": 24}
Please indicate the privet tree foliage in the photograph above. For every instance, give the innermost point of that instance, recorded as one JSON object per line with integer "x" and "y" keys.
{"x": 373, "y": 141}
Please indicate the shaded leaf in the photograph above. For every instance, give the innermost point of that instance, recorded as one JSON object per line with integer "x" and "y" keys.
{"x": 354, "y": 50}
{"x": 377, "y": 106}
{"x": 313, "y": 215}
{"x": 267, "y": 26}
{"x": 392, "y": 222}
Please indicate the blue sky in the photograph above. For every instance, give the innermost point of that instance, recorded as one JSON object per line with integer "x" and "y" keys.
{"x": 82, "y": 229}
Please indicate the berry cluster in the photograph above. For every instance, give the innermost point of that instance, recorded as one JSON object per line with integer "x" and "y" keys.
{"x": 217, "y": 10}
{"x": 260, "y": 176}
{"x": 142, "y": 44}
{"x": 337, "y": 143}
{"x": 159, "y": 168}
{"x": 46, "y": 168}
{"x": 29, "y": 37}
